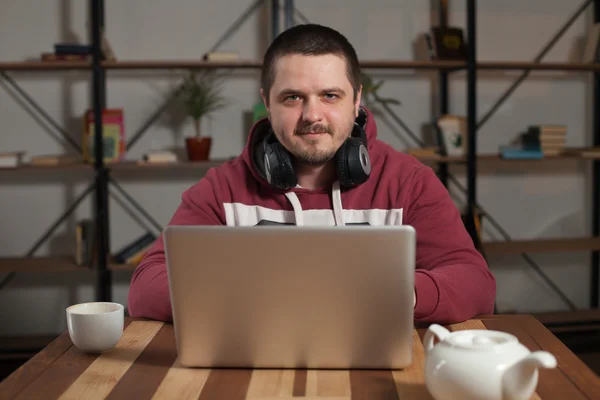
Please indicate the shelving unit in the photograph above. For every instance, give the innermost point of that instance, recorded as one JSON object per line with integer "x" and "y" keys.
{"x": 97, "y": 69}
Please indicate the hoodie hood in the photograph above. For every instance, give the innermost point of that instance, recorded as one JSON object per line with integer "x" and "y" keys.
{"x": 252, "y": 154}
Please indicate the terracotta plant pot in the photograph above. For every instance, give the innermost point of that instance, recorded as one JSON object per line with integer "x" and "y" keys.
{"x": 198, "y": 148}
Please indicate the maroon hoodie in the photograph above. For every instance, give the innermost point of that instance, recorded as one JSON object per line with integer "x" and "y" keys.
{"x": 452, "y": 281}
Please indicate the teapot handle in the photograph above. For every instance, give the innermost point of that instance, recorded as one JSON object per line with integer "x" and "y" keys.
{"x": 433, "y": 331}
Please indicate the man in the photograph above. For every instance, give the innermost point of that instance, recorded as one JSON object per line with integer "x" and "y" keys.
{"x": 316, "y": 160}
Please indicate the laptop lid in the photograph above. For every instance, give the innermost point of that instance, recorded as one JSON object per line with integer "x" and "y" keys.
{"x": 292, "y": 297}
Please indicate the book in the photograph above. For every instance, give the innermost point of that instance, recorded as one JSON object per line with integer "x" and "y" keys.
{"x": 158, "y": 156}
{"x": 590, "y": 52}
{"x": 448, "y": 43}
{"x": 72, "y": 48}
{"x": 519, "y": 153}
{"x": 220, "y": 56}
{"x": 85, "y": 242}
{"x": 49, "y": 57}
{"x": 11, "y": 159}
{"x": 130, "y": 250}
{"x": 50, "y": 160}
{"x": 113, "y": 135}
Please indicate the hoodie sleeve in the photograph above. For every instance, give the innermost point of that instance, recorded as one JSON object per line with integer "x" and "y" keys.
{"x": 452, "y": 282}
{"x": 149, "y": 295}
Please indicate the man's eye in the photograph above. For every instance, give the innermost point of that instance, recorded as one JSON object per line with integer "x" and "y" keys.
{"x": 330, "y": 96}
{"x": 292, "y": 97}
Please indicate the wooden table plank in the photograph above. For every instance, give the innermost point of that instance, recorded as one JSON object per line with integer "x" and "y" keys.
{"x": 150, "y": 367}
{"x": 231, "y": 384}
{"x": 271, "y": 383}
{"x": 571, "y": 365}
{"x": 373, "y": 385}
{"x": 186, "y": 382}
{"x": 99, "y": 379}
{"x": 552, "y": 383}
{"x": 54, "y": 381}
{"x": 33, "y": 368}
{"x": 300, "y": 382}
{"x": 328, "y": 383}
{"x": 410, "y": 382}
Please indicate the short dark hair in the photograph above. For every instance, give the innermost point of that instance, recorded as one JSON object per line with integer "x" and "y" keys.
{"x": 310, "y": 40}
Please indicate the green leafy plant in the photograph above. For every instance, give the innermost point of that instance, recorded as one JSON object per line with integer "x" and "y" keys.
{"x": 369, "y": 92}
{"x": 201, "y": 95}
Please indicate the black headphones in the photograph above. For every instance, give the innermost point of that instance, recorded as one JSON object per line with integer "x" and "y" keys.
{"x": 352, "y": 159}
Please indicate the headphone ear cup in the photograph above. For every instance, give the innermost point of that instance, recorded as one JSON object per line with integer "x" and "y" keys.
{"x": 341, "y": 160}
{"x": 354, "y": 166}
{"x": 279, "y": 169}
{"x": 353, "y": 162}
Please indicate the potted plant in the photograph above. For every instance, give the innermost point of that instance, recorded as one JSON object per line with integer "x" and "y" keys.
{"x": 201, "y": 96}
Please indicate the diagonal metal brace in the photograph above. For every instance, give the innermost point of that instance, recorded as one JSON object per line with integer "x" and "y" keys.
{"x": 136, "y": 205}
{"x": 41, "y": 111}
{"x": 237, "y": 23}
{"x": 60, "y": 219}
{"x": 537, "y": 59}
{"x": 50, "y": 230}
{"x": 153, "y": 118}
{"x": 301, "y": 16}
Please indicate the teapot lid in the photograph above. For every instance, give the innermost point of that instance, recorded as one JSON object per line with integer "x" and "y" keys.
{"x": 477, "y": 339}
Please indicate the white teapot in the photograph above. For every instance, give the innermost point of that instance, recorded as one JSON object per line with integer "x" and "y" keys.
{"x": 480, "y": 364}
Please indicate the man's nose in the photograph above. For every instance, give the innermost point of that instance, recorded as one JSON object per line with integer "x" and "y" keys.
{"x": 313, "y": 111}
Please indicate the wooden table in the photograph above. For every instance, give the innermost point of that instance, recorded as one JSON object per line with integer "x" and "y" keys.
{"x": 144, "y": 365}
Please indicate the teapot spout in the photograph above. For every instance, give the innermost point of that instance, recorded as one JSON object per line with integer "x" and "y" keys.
{"x": 520, "y": 380}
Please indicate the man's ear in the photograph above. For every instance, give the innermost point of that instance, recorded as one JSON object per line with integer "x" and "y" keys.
{"x": 357, "y": 102}
{"x": 265, "y": 101}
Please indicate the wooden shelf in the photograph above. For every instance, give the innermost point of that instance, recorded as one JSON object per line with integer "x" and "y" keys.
{"x": 180, "y": 64}
{"x": 568, "y": 154}
{"x": 49, "y": 264}
{"x": 29, "y": 167}
{"x": 44, "y": 66}
{"x": 140, "y": 165}
{"x": 557, "y": 245}
{"x": 544, "y": 66}
{"x": 124, "y": 165}
{"x": 256, "y": 64}
{"x": 250, "y": 64}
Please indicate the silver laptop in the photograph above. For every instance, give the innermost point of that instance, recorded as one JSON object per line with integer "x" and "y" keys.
{"x": 292, "y": 297}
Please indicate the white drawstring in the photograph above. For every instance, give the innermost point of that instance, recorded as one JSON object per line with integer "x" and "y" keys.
{"x": 297, "y": 208}
{"x": 336, "y": 195}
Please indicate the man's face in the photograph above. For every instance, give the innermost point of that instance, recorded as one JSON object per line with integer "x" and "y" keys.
{"x": 311, "y": 106}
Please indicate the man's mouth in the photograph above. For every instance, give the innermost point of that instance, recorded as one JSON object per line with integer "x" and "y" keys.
{"x": 313, "y": 135}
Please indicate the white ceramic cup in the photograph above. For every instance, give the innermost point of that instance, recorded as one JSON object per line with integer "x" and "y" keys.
{"x": 95, "y": 327}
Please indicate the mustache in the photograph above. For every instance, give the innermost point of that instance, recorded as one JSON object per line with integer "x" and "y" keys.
{"x": 313, "y": 129}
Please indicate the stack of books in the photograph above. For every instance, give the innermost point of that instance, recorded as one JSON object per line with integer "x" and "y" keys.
{"x": 549, "y": 139}
{"x": 538, "y": 142}
{"x": 133, "y": 252}
{"x": 68, "y": 52}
